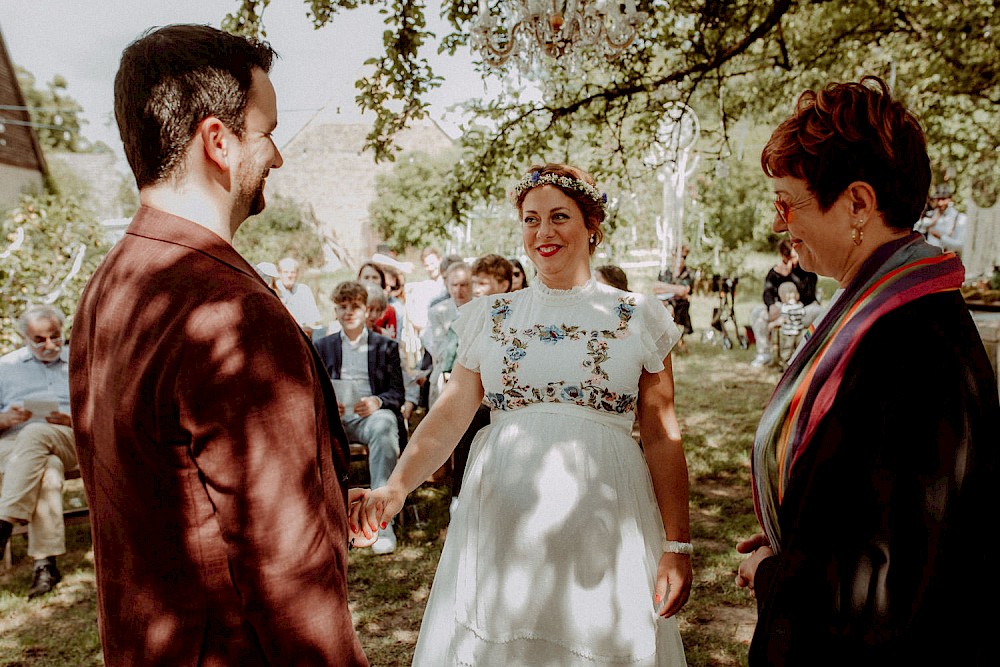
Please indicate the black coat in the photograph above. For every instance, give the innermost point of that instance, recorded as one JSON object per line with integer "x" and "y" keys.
{"x": 889, "y": 514}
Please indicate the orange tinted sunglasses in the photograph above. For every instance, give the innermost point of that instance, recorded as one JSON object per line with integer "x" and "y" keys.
{"x": 785, "y": 209}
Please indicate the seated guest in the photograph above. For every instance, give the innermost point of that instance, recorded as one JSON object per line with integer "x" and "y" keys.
{"x": 386, "y": 323}
{"x": 410, "y": 348}
{"x": 491, "y": 274}
{"x": 268, "y": 272}
{"x": 378, "y": 306}
{"x": 439, "y": 340}
{"x": 943, "y": 225}
{"x": 786, "y": 270}
{"x": 446, "y": 263}
{"x": 789, "y": 323}
{"x": 609, "y": 274}
{"x": 394, "y": 284}
{"x": 297, "y": 297}
{"x": 370, "y": 362}
{"x": 519, "y": 276}
{"x": 36, "y": 450}
{"x": 674, "y": 290}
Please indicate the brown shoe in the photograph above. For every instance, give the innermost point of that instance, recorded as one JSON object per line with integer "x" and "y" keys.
{"x": 45, "y": 579}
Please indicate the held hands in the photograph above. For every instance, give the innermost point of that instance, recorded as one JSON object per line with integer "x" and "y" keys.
{"x": 375, "y": 510}
{"x": 355, "y": 538}
{"x": 673, "y": 583}
{"x": 759, "y": 548}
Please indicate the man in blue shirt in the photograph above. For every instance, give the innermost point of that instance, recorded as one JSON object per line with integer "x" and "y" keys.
{"x": 36, "y": 449}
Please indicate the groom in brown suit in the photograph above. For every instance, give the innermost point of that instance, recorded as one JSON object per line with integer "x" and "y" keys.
{"x": 207, "y": 430}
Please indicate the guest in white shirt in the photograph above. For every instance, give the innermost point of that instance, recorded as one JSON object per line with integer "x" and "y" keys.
{"x": 297, "y": 297}
{"x": 438, "y": 339}
{"x": 36, "y": 449}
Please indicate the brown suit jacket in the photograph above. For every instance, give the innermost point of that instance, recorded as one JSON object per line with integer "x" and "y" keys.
{"x": 213, "y": 459}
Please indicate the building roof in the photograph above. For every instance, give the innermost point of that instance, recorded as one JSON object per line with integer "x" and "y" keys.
{"x": 19, "y": 145}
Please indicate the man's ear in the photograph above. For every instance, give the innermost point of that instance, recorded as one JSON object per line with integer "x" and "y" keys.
{"x": 216, "y": 140}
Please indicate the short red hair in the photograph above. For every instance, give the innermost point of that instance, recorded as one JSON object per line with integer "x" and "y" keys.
{"x": 854, "y": 132}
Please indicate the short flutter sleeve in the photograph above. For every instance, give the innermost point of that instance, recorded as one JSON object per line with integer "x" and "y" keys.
{"x": 658, "y": 333}
{"x": 471, "y": 326}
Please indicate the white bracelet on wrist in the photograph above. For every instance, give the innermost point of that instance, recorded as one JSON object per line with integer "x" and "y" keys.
{"x": 685, "y": 548}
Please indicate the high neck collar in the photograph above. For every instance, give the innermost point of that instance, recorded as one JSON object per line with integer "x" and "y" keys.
{"x": 573, "y": 294}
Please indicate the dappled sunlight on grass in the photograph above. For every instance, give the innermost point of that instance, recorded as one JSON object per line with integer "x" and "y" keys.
{"x": 719, "y": 400}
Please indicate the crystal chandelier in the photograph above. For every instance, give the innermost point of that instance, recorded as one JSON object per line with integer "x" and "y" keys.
{"x": 567, "y": 30}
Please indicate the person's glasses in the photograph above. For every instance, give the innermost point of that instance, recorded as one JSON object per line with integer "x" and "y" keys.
{"x": 785, "y": 209}
{"x": 45, "y": 340}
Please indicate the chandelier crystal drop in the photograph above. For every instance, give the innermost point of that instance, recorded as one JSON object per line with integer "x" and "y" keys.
{"x": 571, "y": 31}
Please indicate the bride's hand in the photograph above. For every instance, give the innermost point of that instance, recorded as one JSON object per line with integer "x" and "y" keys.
{"x": 673, "y": 583}
{"x": 356, "y": 539}
{"x": 375, "y": 510}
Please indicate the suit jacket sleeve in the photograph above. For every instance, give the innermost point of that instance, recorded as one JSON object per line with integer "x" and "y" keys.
{"x": 249, "y": 395}
{"x": 391, "y": 390}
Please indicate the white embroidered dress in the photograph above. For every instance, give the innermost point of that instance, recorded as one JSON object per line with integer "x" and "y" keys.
{"x": 552, "y": 554}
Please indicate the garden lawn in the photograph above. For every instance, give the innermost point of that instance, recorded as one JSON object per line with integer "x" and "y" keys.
{"x": 719, "y": 400}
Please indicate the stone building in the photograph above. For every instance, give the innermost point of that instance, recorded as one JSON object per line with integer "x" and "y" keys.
{"x": 22, "y": 165}
{"x": 328, "y": 172}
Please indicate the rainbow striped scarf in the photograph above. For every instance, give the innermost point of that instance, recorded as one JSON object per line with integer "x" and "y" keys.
{"x": 896, "y": 274}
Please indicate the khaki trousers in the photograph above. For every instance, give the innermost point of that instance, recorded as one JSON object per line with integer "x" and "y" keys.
{"x": 33, "y": 461}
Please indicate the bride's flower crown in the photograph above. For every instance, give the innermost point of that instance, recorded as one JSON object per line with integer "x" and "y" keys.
{"x": 535, "y": 179}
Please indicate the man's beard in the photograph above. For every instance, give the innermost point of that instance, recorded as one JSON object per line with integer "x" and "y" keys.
{"x": 253, "y": 197}
{"x": 257, "y": 202}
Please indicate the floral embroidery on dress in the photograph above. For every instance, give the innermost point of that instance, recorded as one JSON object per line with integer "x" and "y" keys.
{"x": 589, "y": 393}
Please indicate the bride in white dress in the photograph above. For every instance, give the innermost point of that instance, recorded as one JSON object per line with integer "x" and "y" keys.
{"x": 570, "y": 544}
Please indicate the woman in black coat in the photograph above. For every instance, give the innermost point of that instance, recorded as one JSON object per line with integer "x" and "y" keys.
{"x": 875, "y": 462}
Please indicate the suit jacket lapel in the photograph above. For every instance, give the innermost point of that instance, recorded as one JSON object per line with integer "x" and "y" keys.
{"x": 338, "y": 357}
{"x": 373, "y": 353}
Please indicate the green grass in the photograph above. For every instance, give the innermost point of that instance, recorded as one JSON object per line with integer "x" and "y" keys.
{"x": 719, "y": 400}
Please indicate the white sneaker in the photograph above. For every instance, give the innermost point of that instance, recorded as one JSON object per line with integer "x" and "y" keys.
{"x": 386, "y": 542}
{"x": 762, "y": 359}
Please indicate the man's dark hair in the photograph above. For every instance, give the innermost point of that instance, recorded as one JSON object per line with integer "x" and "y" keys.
{"x": 350, "y": 291}
{"x": 172, "y": 78}
{"x": 494, "y": 266}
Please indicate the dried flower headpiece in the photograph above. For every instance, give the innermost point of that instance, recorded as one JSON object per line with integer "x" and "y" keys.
{"x": 535, "y": 179}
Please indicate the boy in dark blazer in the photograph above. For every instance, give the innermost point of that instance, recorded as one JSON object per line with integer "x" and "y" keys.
{"x": 370, "y": 363}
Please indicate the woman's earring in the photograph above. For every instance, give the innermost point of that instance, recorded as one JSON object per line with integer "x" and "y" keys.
{"x": 593, "y": 238}
{"x": 857, "y": 234}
